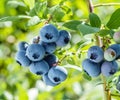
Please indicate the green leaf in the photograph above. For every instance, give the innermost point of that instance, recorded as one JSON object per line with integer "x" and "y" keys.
{"x": 104, "y": 32}
{"x": 22, "y": 93}
{"x": 85, "y": 29}
{"x": 73, "y": 67}
{"x": 72, "y": 24}
{"x": 86, "y": 76}
{"x": 114, "y": 21}
{"x": 58, "y": 14}
{"x": 29, "y": 3}
{"x": 15, "y": 3}
{"x": 14, "y": 18}
{"x": 33, "y": 21}
{"x": 94, "y": 20}
{"x": 39, "y": 9}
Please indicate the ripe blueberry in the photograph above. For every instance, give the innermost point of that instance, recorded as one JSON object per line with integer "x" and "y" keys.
{"x": 22, "y": 45}
{"x": 49, "y": 47}
{"x": 116, "y": 37}
{"x": 51, "y": 59}
{"x": 95, "y": 54}
{"x": 109, "y": 68}
{"x": 22, "y": 59}
{"x": 35, "y": 52}
{"x": 112, "y": 52}
{"x": 39, "y": 67}
{"x": 63, "y": 39}
{"x": 48, "y": 81}
{"x": 57, "y": 74}
{"x": 91, "y": 68}
{"x": 49, "y": 33}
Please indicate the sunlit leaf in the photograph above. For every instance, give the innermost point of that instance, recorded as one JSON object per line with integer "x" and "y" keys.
{"x": 29, "y": 3}
{"x": 14, "y": 18}
{"x": 33, "y": 21}
{"x": 114, "y": 21}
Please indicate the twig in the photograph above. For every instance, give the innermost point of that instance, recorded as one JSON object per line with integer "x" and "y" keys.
{"x": 100, "y": 43}
{"x": 47, "y": 21}
{"x": 90, "y": 5}
{"x": 107, "y": 4}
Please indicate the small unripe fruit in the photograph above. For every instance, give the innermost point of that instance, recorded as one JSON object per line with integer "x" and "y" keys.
{"x": 116, "y": 37}
{"x": 112, "y": 52}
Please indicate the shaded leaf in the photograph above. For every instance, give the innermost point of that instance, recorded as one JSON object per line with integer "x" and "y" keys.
{"x": 85, "y": 29}
{"x": 114, "y": 21}
{"x": 72, "y": 24}
{"x": 104, "y": 32}
{"x": 86, "y": 76}
{"x": 94, "y": 20}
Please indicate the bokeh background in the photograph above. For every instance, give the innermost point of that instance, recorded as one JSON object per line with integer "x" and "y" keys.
{"x": 17, "y": 82}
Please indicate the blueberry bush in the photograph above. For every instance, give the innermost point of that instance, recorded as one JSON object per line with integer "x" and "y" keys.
{"x": 60, "y": 50}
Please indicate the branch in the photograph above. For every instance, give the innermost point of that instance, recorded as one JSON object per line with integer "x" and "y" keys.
{"x": 107, "y": 4}
{"x": 47, "y": 21}
{"x": 90, "y": 5}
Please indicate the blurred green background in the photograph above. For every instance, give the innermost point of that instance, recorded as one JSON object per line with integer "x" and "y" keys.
{"x": 16, "y": 82}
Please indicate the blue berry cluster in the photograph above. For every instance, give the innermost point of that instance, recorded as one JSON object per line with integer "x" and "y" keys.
{"x": 39, "y": 55}
{"x": 100, "y": 61}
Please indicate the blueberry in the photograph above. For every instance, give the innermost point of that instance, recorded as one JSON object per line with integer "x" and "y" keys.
{"x": 91, "y": 68}
{"x": 116, "y": 37}
{"x": 49, "y": 33}
{"x": 39, "y": 67}
{"x": 63, "y": 39}
{"x": 22, "y": 45}
{"x": 22, "y": 59}
{"x": 49, "y": 47}
{"x": 109, "y": 68}
{"x": 51, "y": 59}
{"x": 48, "y": 81}
{"x": 112, "y": 52}
{"x": 35, "y": 52}
{"x": 57, "y": 74}
{"x": 95, "y": 54}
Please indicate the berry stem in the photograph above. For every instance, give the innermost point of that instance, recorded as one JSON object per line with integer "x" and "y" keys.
{"x": 107, "y": 4}
{"x": 99, "y": 42}
{"x": 48, "y": 20}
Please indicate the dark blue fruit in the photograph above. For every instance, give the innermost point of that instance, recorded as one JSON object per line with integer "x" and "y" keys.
{"x": 49, "y": 47}
{"x": 39, "y": 67}
{"x": 49, "y": 33}
{"x": 112, "y": 52}
{"x": 63, "y": 39}
{"x": 35, "y": 52}
{"x": 95, "y": 54}
{"x": 23, "y": 45}
{"x": 109, "y": 68}
{"x": 22, "y": 59}
{"x": 91, "y": 68}
{"x": 47, "y": 80}
{"x": 51, "y": 59}
{"x": 57, "y": 74}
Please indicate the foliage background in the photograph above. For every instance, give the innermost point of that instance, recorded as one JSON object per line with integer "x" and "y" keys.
{"x": 27, "y": 17}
